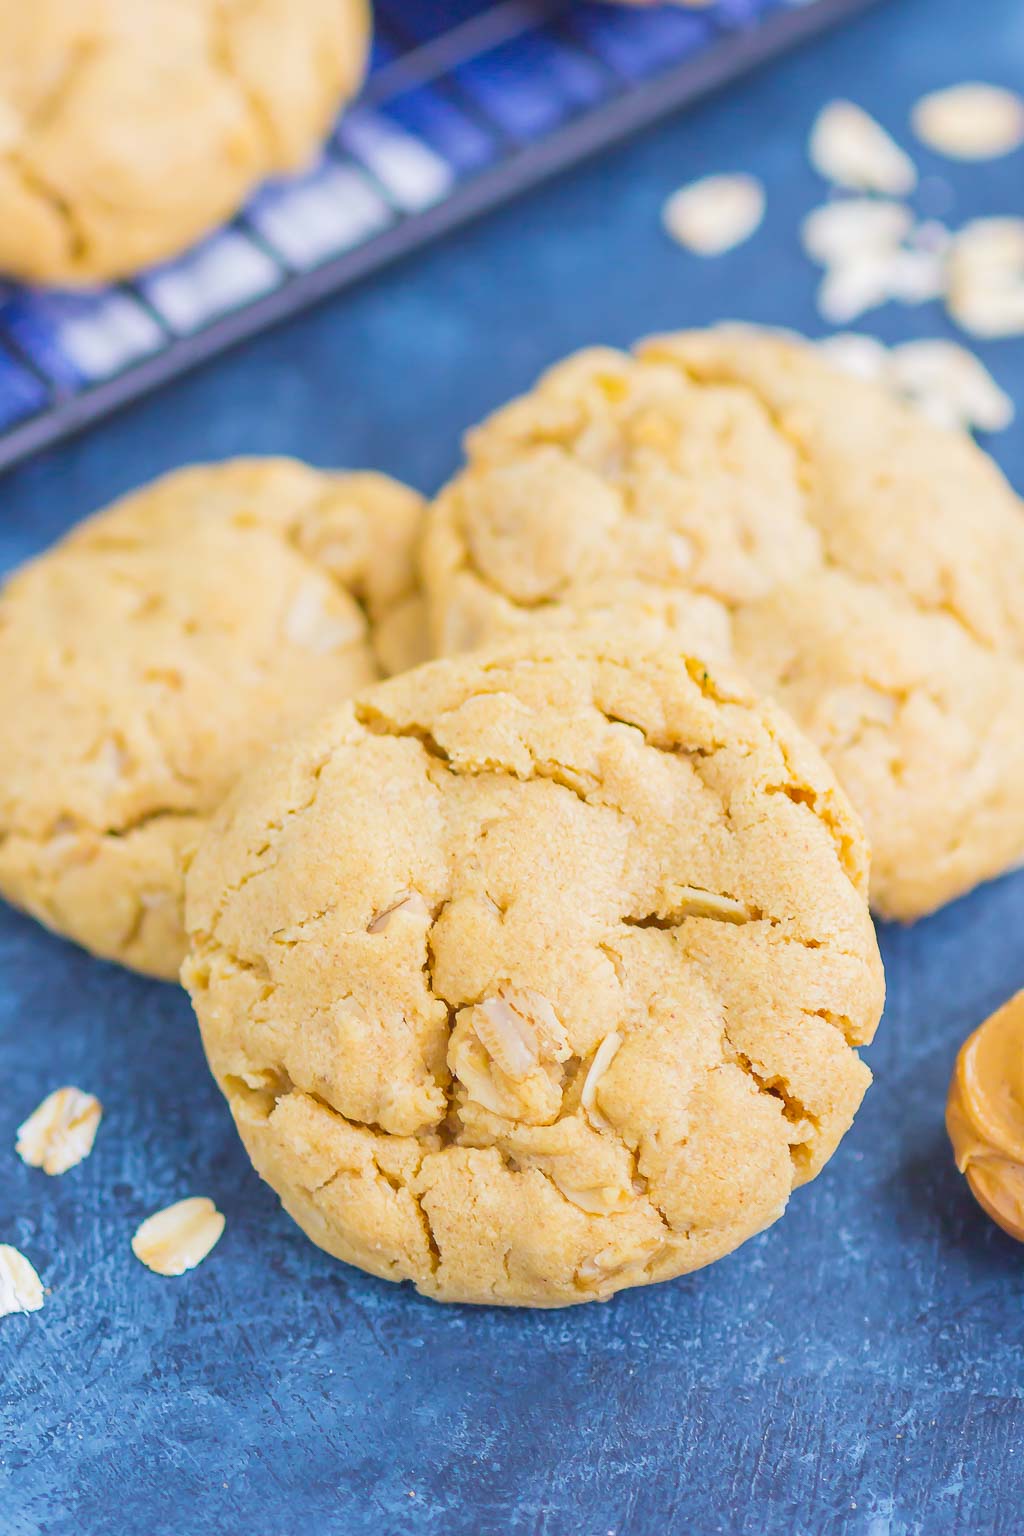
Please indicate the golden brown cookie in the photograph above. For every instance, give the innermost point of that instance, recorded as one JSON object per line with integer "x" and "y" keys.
{"x": 864, "y": 565}
{"x": 536, "y": 974}
{"x": 128, "y": 130}
{"x": 152, "y": 654}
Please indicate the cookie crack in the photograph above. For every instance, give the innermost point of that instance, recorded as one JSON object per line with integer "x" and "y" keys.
{"x": 39, "y": 186}
{"x": 840, "y": 1022}
{"x": 207, "y": 948}
{"x": 511, "y": 1164}
{"x": 809, "y": 481}
{"x": 393, "y": 1180}
{"x": 375, "y": 721}
{"x": 777, "y": 1087}
{"x": 221, "y": 57}
{"x": 584, "y": 785}
{"x": 273, "y": 832}
{"x": 378, "y": 724}
{"x": 77, "y": 244}
{"x": 433, "y": 1245}
{"x": 733, "y": 911}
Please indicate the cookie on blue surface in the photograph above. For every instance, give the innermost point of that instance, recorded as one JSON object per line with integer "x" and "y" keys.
{"x": 860, "y": 563}
{"x": 149, "y": 656}
{"x": 533, "y": 975}
{"x": 129, "y": 130}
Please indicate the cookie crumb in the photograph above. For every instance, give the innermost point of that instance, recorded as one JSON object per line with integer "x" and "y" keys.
{"x": 179, "y": 1237}
{"x": 60, "y": 1133}
{"x": 21, "y": 1289}
{"x": 714, "y": 214}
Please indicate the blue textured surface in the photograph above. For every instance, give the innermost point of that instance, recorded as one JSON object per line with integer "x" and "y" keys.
{"x": 859, "y": 1368}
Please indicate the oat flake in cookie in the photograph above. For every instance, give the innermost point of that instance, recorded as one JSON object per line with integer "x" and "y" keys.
{"x": 537, "y": 974}
{"x": 733, "y": 490}
{"x": 152, "y": 654}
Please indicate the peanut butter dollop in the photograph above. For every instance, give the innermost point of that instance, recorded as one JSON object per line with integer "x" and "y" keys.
{"x": 985, "y": 1115}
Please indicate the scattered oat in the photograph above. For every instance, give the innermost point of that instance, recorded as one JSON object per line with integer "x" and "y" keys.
{"x": 943, "y": 380}
{"x": 865, "y": 357}
{"x": 850, "y": 149}
{"x": 21, "y": 1289}
{"x": 869, "y": 277}
{"x": 985, "y": 294}
{"x": 931, "y": 235}
{"x": 60, "y": 1133}
{"x": 180, "y": 1237}
{"x": 853, "y": 287}
{"x": 917, "y": 276}
{"x": 603, "y": 1058}
{"x": 715, "y": 214}
{"x": 972, "y": 121}
{"x": 988, "y": 315}
{"x": 841, "y": 230}
{"x": 992, "y": 246}
{"x": 950, "y": 383}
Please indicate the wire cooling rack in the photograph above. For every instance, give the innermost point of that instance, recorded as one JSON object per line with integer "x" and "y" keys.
{"x": 467, "y": 102}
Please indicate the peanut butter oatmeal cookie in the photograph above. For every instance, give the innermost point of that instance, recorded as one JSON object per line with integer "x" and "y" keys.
{"x": 537, "y": 974}
{"x": 128, "y": 130}
{"x": 150, "y": 656}
{"x": 731, "y": 488}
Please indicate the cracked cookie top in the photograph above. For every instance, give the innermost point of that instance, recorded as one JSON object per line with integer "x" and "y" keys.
{"x": 731, "y": 489}
{"x": 128, "y": 130}
{"x": 152, "y": 654}
{"x": 536, "y": 974}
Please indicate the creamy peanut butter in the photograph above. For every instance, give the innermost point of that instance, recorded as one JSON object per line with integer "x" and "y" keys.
{"x": 985, "y": 1115}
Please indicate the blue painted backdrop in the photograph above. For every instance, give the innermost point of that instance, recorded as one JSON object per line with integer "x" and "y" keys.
{"x": 857, "y": 1369}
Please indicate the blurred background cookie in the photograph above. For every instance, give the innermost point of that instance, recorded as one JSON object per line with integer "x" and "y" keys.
{"x": 148, "y": 657}
{"x": 127, "y": 131}
{"x": 537, "y": 974}
{"x": 861, "y": 563}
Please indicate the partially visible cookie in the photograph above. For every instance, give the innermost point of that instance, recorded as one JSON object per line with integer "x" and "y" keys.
{"x": 539, "y": 973}
{"x": 730, "y": 488}
{"x": 149, "y": 656}
{"x": 128, "y": 130}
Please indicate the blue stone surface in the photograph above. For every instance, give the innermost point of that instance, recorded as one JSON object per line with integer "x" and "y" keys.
{"x": 860, "y": 1367}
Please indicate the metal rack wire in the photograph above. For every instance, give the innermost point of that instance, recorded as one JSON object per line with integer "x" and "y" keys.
{"x": 467, "y": 103}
